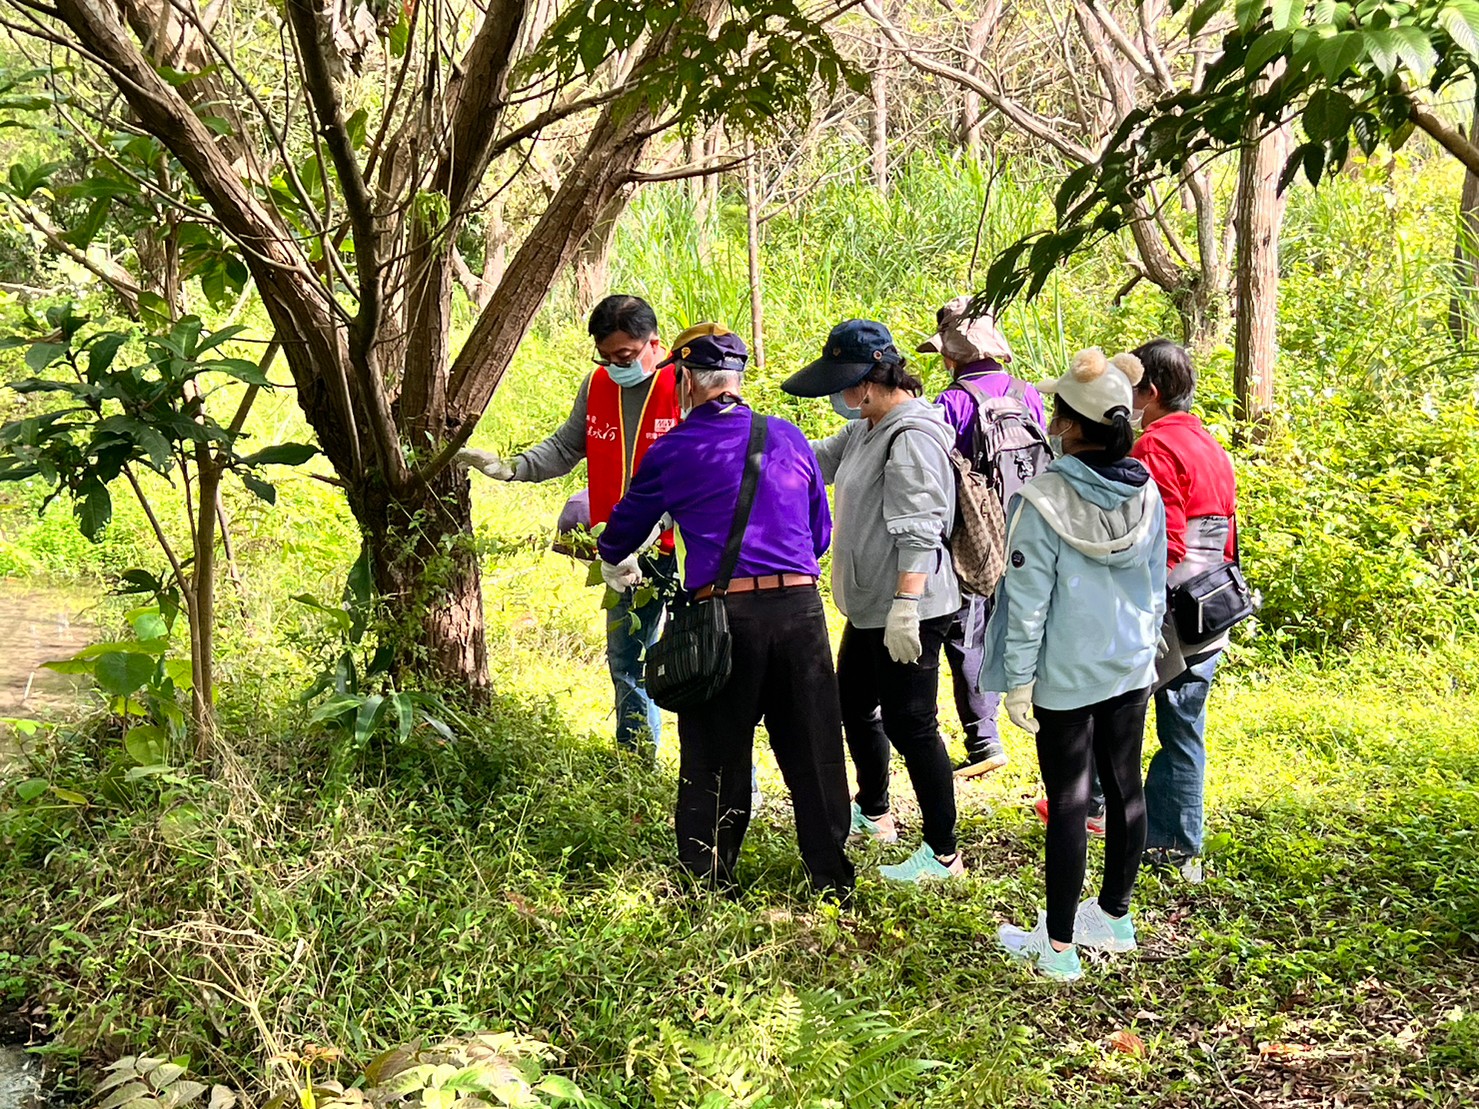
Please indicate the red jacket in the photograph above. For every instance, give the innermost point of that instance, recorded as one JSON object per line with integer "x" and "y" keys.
{"x": 1194, "y": 474}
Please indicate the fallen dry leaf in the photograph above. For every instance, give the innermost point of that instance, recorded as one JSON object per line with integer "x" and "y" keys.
{"x": 1127, "y": 1042}
{"x": 1279, "y": 1049}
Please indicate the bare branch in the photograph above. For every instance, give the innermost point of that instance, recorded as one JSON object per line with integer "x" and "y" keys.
{"x": 705, "y": 168}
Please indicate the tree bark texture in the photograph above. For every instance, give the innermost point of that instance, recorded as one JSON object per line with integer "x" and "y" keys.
{"x": 592, "y": 268}
{"x": 1463, "y": 305}
{"x": 752, "y": 242}
{"x": 1260, "y": 213}
{"x": 878, "y": 129}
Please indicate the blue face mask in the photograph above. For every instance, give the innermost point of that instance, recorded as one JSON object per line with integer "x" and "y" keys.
{"x": 626, "y": 376}
{"x": 840, "y": 407}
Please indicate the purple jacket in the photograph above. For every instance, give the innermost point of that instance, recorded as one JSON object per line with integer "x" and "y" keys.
{"x": 693, "y": 474}
{"x": 960, "y": 409}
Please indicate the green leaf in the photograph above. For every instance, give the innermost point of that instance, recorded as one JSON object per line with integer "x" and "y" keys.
{"x": 94, "y": 509}
{"x": 356, "y": 125}
{"x": 1266, "y": 47}
{"x": 1202, "y": 15}
{"x": 1338, "y": 53}
{"x": 1328, "y": 114}
{"x": 1367, "y": 131}
{"x": 240, "y": 369}
{"x": 31, "y": 788}
{"x": 1286, "y": 13}
{"x": 1415, "y": 49}
{"x": 1398, "y": 138}
{"x": 1314, "y": 161}
{"x": 42, "y": 355}
{"x": 337, "y": 709}
{"x": 284, "y": 454}
{"x": 1249, "y": 12}
{"x": 70, "y": 796}
{"x": 370, "y": 711}
{"x": 121, "y": 673}
{"x": 404, "y": 716}
{"x": 557, "y": 1085}
{"x": 1463, "y": 33}
{"x": 154, "y": 310}
{"x": 146, "y": 745}
{"x": 263, "y": 489}
{"x": 1381, "y": 48}
{"x": 102, "y": 351}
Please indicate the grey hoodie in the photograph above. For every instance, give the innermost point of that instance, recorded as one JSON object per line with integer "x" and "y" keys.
{"x": 893, "y": 510}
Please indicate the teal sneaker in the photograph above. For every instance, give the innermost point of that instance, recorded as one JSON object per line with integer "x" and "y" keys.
{"x": 1034, "y": 947}
{"x": 923, "y": 866}
{"x": 881, "y": 829}
{"x": 1093, "y": 927}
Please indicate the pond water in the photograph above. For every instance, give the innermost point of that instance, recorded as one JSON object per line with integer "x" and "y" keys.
{"x": 38, "y": 624}
{"x": 20, "y": 1078}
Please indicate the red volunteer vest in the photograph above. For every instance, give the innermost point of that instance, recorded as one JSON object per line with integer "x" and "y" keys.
{"x": 605, "y": 438}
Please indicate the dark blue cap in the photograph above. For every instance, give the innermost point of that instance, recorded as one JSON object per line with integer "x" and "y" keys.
{"x": 709, "y": 346}
{"x": 853, "y": 349}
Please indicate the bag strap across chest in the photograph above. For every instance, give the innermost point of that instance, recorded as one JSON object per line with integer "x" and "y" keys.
{"x": 754, "y": 455}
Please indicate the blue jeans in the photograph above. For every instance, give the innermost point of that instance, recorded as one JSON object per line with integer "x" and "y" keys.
{"x": 1174, "y": 782}
{"x": 638, "y": 720}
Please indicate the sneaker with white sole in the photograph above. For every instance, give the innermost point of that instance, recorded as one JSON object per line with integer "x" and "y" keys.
{"x": 924, "y": 866}
{"x": 880, "y": 829}
{"x": 1093, "y": 927}
{"x": 1034, "y": 947}
{"x": 975, "y": 765}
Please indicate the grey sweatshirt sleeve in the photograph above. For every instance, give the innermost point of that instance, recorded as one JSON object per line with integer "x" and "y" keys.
{"x": 562, "y": 451}
{"x": 918, "y": 500}
{"x": 829, "y": 451}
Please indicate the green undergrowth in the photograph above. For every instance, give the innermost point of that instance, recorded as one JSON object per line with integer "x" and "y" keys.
{"x": 522, "y": 877}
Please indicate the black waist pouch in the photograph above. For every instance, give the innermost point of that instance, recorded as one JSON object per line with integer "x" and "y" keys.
{"x": 1211, "y": 603}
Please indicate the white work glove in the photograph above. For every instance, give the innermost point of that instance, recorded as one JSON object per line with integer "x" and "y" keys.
{"x": 624, "y": 575}
{"x": 486, "y": 463}
{"x": 1019, "y": 708}
{"x": 901, "y": 633}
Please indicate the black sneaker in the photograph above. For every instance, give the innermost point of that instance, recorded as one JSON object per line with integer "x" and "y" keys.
{"x": 993, "y": 758}
{"x": 1184, "y": 863}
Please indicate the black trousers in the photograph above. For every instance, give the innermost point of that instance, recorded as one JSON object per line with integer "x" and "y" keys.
{"x": 782, "y": 673}
{"x": 1109, "y": 735}
{"x": 885, "y": 702}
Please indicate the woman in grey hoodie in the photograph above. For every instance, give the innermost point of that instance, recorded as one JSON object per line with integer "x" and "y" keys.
{"x": 892, "y": 578}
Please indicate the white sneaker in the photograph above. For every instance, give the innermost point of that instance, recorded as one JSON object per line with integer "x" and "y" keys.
{"x": 1093, "y": 927}
{"x": 1036, "y": 948}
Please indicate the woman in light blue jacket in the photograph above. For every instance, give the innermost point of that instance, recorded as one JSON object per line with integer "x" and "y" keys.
{"x": 1072, "y": 643}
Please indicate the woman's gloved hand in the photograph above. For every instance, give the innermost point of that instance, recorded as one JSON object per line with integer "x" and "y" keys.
{"x": 486, "y": 463}
{"x": 901, "y": 632}
{"x": 1019, "y": 708}
{"x": 622, "y": 576}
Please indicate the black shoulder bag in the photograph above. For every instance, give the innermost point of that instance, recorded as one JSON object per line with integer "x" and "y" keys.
{"x": 1209, "y": 604}
{"x": 690, "y": 664}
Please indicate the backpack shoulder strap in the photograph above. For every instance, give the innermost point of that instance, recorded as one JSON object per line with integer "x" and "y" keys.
{"x": 1017, "y": 390}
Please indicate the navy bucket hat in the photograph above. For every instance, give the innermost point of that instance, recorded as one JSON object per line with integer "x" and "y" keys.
{"x": 852, "y": 350}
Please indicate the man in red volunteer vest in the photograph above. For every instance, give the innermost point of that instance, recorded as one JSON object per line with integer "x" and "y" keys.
{"x": 624, "y": 406}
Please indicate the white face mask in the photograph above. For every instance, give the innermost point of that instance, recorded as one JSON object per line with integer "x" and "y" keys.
{"x": 1137, "y": 418}
{"x": 1055, "y": 444}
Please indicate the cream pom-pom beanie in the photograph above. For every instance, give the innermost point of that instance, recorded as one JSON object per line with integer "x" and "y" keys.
{"x": 1095, "y": 386}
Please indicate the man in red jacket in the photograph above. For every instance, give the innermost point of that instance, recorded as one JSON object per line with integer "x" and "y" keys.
{"x": 1195, "y": 477}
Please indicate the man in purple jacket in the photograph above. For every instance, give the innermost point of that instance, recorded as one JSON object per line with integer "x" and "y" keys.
{"x": 782, "y": 661}
{"x": 973, "y": 350}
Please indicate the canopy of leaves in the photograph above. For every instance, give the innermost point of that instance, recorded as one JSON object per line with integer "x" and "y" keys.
{"x": 116, "y": 413}
{"x": 1347, "y": 72}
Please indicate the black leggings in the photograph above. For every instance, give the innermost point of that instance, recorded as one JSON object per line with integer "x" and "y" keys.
{"x": 885, "y": 702}
{"x": 1110, "y": 735}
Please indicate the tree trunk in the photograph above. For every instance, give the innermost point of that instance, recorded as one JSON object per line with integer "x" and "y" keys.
{"x": 592, "y": 268}
{"x": 752, "y": 241}
{"x": 1461, "y": 305}
{"x": 202, "y": 611}
{"x": 972, "y": 119}
{"x": 425, "y": 570}
{"x": 878, "y": 134}
{"x": 1259, "y": 214}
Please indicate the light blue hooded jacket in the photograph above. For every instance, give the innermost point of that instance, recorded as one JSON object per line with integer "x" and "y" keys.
{"x": 1080, "y": 607}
